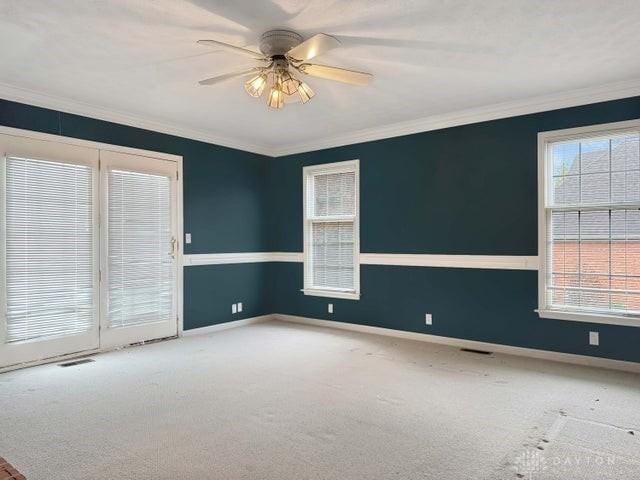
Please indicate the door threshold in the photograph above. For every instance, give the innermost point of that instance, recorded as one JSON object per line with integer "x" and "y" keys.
{"x": 75, "y": 355}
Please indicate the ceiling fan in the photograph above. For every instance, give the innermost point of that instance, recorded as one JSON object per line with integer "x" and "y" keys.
{"x": 283, "y": 54}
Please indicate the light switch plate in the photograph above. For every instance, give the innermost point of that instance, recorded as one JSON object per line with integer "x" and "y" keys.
{"x": 187, "y": 238}
{"x": 594, "y": 338}
{"x": 239, "y": 307}
{"x": 234, "y": 308}
{"x": 330, "y": 308}
{"x": 428, "y": 319}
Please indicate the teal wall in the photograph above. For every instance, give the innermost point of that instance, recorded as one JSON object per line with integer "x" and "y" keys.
{"x": 463, "y": 190}
{"x": 225, "y": 192}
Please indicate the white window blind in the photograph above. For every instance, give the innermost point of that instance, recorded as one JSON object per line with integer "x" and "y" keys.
{"x": 592, "y": 215}
{"x": 331, "y": 228}
{"x": 140, "y": 269}
{"x": 49, "y": 249}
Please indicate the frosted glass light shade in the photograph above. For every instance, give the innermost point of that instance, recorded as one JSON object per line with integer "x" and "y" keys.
{"x": 289, "y": 84}
{"x": 305, "y": 92}
{"x": 276, "y": 97}
{"x": 255, "y": 86}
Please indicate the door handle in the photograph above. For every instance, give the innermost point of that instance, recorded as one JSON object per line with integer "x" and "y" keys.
{"x": 174, "y": 247}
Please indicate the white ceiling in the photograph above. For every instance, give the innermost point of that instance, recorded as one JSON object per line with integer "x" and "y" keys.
{"x": 139, "y": 59}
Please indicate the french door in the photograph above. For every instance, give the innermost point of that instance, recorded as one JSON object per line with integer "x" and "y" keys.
{"x": 139, "y": 249}
{"x": 87, "y": 248}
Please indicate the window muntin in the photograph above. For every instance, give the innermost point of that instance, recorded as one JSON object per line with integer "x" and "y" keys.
{"x": 331, "y": 229}
{"x": 592, "y": 223}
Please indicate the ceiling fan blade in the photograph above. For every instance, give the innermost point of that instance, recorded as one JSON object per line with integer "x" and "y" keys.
{"x": 314, "y": 46}
{"x": 227, "y": 76}
{"x": 233, "y": 49}
{"x": 335, "y": 73}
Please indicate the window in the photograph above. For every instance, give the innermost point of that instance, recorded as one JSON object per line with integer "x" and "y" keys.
{"x": 590, "y": 224}
{"x": 331, "y": 230}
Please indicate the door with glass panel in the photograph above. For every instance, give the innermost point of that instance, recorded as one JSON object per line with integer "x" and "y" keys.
{"x": 48, "y": 248}
{"x": 139, "y": 249}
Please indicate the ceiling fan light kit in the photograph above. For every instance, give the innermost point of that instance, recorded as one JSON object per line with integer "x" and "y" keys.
{"x": 285, "y": 54}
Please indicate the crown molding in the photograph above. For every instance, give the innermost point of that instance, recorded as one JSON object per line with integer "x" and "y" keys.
{"x": 543, "y": 103}
{"x": 571, "y": 98}
{"x": 37, "y": 99}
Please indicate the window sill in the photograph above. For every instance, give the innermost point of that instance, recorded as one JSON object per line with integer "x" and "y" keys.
{"x": 590, "y": 318}
{"x": 332, "y": 294}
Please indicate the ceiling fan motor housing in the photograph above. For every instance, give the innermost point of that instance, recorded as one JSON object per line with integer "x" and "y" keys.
{"x": 279, "y": 42}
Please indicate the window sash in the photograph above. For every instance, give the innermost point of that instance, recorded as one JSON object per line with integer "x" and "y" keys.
{"x": 339, "y": 269}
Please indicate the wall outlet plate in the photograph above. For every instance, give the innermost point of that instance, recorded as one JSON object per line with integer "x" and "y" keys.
{"x": 234, "y": 308}
{"x": 187, "y": 238}
{"x": 330, "y": 308}
{"x": 428, "y": 319}
{"x": 594, "y": 338}
{"x": 239, "y": 307}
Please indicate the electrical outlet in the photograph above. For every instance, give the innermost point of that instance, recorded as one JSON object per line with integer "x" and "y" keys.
{"x": 187, "y": 238}
{"x": 330, "y": 308}
{"x": 428, "y": 320}
{"x": 239, "y": 307}
{"x": 234, "y": 308}
{"x": 594, "y": 338}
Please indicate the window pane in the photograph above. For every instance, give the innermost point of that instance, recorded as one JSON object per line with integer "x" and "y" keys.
{"x": 594, "y": 156}
{"x": 594, "y": 188}
{"x": 625, "y": 152}
{"x": 565, "y": 158}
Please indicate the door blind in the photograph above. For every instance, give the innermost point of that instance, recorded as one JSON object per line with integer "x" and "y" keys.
{"x": 49, "y": 249}
{"x": 141, "y": 274}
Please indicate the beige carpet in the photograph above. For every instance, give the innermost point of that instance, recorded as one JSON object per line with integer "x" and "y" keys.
{"x": 284, "y": 401}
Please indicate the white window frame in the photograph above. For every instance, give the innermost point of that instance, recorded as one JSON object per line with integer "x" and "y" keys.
{"x": 307, "y": 176}
{"x": 544, "y": 169}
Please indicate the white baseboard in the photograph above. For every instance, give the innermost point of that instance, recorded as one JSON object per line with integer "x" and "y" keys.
{"x": 226, "y": 325}
{"x": 462, "y": 343}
